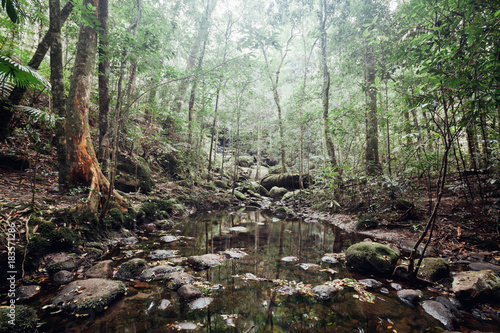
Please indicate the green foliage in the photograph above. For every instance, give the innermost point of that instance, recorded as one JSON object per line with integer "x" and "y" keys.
{"x": 14, "y": 10}
{"x": 23, "y": 76}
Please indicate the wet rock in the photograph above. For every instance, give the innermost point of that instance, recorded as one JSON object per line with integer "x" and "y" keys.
{"x": 55, "y": 267}
{"x": 162, "y": 254}
{"x": 130, "y": 240}
{"x": 157, "y": 272}
{"x": 234, "y": 254}
{"x": 480, "y": 266}
{"x": 371, "y": 283}
{"x": 329, "y": 260}
{"x": 439, "y": 312}
{"x": 165, "y": 303}
{"x": 188, "y": 292}
{"x": 277, "y": 192}
{"x": 434, "y": 269}
{"x": 309, "y": 267}
{"x": 289, "y": 259}
{"x": 200, "y": 303}
{"x": 286, "y": 290}
{"x": 169, "y": 238}
{"x": 457, "y": 315}
{"x": 384, "y": 290}
{"x": 324, "y": 292}
{"x": 476, "y": 285}
{"x": 409, "y": 296}
{"x": 25, "y": 293}
{"x": 205, "y": 261}
{"x": 177, "y": 279}
{"x": 88, "y": 295}
{"x": 371, "y": 258}
{"x": 287, "y": 180}
{"x": 131, "y": 269}
{"x": 238, "y": 229}
{"x": 283, "y": 211}
{"x": 55, "y": 257}
{"x": 62, "y": 277}
{"x": 24, "y": 317}
{"x": 396, "y": 286}
{"x": 102, "y": 269}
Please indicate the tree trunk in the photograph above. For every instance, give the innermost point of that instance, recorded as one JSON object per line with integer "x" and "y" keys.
{"x": 104, "y": 71}
{"x": 372, "y": 159}
{"x": 84, "y": 167}
{"x": 17, "y": 94}
{"x": 192, "y": 97}
{"x": 58, "y": 98}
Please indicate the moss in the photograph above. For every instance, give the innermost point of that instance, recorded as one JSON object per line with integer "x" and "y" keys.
{"x": 371, "y": 258}
{"x": 131, "y": 269}
{"x": 221, "y": 184}
{"x": 434, "y": 269}
{"x": 60, "y": 266}
{"x": 366, "y": 221}
{"x": 25, "y": 320}
{"x": 156, "y": 209}
{"x": 135, "y": 173}
{"x": 50, "y": 238}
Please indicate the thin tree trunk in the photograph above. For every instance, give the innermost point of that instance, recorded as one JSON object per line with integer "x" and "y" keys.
{"x": 58, "y": 97}
{"x": 192, "y": 97}
{"x": 372, "y": 157}
{"x": 103, "y": 78}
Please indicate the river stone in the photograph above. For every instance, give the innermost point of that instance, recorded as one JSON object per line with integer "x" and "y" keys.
{"x": 62, "y": 277}
{"x": 157, "y": 272}
{"x": 396, "y": 286}
{"x": 177, "y": 279}
{"x": 439, "y": 312}
{"x": 451, "y": 307}
{"x": 162, "y": 254}
{"x": 289, "y": 259}
{"x": 102, "y": 269}
{"x": 55, "y": 267}
{"x": 25, "y": 293}
{"x": 371, "y": 258}
{"x": 476, "y": 285}
{"x": 200, "y": 303}
{"x": 324, "y": 292}
{"x": 480, "y": 266}
{"x": 234, "y": 254}
{"x": 165, "y": 303}
{"x": 131, "y": 269}
{"x": 371, "y": 283}
{"x": 409, "y": 296}
{"x": 205, "y": 261}
{"x": 277, "y": 192}
{"x": 130, "y": 240}
{"x": 434, "y": 269}
{"x": 169, "y": 238}
{"x": 329, "y": 260}
{"x": 188, "y": 292}
{"x": 88, "y": 295}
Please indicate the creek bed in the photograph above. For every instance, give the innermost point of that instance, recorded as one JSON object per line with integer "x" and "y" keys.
{"x": 252, "y": 293}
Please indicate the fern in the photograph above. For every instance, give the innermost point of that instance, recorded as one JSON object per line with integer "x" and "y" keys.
{"x": 40, "y": 116}
{"x": 19, "y": 75}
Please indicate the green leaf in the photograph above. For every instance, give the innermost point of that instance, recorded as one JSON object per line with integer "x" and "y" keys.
{"x": 377, "y": 80}
{"x": 497, "y": 13}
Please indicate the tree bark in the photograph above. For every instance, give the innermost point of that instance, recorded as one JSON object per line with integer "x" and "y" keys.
{"x": 58, "y": 98}
{"x": 372, "y": 158}
{"x": 104, "y": 71}
{"x": 84, "y": 167}
{"x": 17, "y": 94}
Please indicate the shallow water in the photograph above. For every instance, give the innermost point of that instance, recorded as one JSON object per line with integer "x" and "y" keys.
{"x": 234, "y": 304}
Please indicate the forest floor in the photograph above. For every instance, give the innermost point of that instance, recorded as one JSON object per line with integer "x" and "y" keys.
{"x": 464, "y": 228}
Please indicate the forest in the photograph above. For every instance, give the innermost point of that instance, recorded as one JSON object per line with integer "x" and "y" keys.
{"x": 250, "y": 166}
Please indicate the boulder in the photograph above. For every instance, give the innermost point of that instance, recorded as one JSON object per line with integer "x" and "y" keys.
{"x": 133, "y": 174}
{"x": 277, "y": 192}
{"x": 221, "y": 184}
{"x": 245, "y": 161}
{"x": 434, "y": 269}
{"x": 480, "y": 266}
{"x": 177, "y": 279}
{"x": 162, "y": 254}
{"x": 88, "y": 295}
{"x": 409, "y": 296}
{"x": 287, "y": 180}
{"x": 157, "y": 272}
{"x": 457, "y": 315}
{"x": 371, "y": 258}
{"x": 131, "y": 269}
{"x": 324, "y": 292}
{"x": 102, "y": 269}
{"x": 62, "y": 277}
{"x": 205, "y": 261}
{"x": 240, "y": 196}
{"x": 371, "y": 283}
{"x": 55, "y": 267}
{"x": 476, "y": 285}
{"x": 439, "y": 312}
{"x": 188, "y": 292}
{"x": 200, "y": 303}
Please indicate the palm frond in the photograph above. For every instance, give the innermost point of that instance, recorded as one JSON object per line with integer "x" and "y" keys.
{"x": 20, "y": 75}
{"x": 40, "y": 116}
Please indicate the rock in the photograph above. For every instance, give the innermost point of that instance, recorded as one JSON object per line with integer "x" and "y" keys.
{"x": 188, "y": 292}
{"x": 409, "y": 296}
{"x": 234, "y": 254}
{"x": 162, "y": 254}
{"x": 245, "y": 161}
{"x": 439, "y": 312}
{"x": 169, "y": 238}
{"x": 221, "y": 184}
{"x": 205, "y": 261}
{"x": 88, "y": 295}
{"x": 371, "y": 258}
{"x": 240, "y": 196}
{"x": 325, "y": 292}
{"x": 434, "y": 269}
{"x": 457, "y": 315}
{"x": 133, "y": 174}
{"x": 480, "y": 266}
{"x": 103, "y": 269}
{"x": 165, "y": 303}
{"x": 254, "y": 194}
{"x": 131, "y": 269}
{"x": 238, "y": 229}
{"x": 164, "y": 224}
{"x": 329, "y": 260}
{"x": 289, "y": 259}
{"x": 55, "y": 267}
{"x": 476, "y": 285}
{"x": 371, "y": 283}
{"x": 396, "y": 286}
{"x": 62, "y": 277}
{"x": 286, "y": 290}
{"x": 25, "y": 319}
{"x": 157, "y": 272}
{"x": 130, "y": 240}
{"x": 188, "y": 326}
{"x": 309, "y": 267}
{"x": 290, "y": 181}
{"x": 290, "y": 195}
{"x": 24, "y": 293}
{"x": 177, "y": 279}
{"x": 200, "y": 303}
{"x": 283, "y": 211}
{"x": 277, "y": 192}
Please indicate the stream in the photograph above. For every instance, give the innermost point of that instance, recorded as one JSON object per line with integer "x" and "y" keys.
{"x": 255, "y": 293}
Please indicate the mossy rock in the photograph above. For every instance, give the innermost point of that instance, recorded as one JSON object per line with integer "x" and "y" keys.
{"x": 155, "y": 209}
{"x": 371, "y": 258}
{"x": 240, "y": 196}
{"x": 55, "y": 267}
{"x": 50, "y": 238}
{"x": 19, "y": 319}
{"x": 133, "y": 173}
{"x": 131, "y": 269}
{"x": 254, "y": 194}
{"x": 434, "y": 269}
{"x": 221, "y": 184}
{"x": 277, "y": 192}
{"x": 366, "y": 222}
{"x": 474, "y": 286}
{"x": 245, "y": 161}
{"x": 283, "y": 211}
